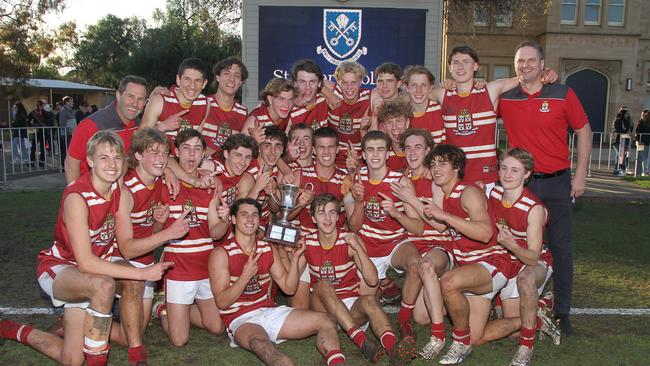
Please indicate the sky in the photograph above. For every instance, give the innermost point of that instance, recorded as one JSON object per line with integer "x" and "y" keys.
{"x": 86, "y": 12}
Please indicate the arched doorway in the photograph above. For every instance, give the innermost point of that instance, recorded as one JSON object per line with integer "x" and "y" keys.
{"x": 591, "y": 88}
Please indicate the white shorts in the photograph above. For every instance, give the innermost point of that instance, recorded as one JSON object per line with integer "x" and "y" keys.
{"x": 489, "y": 187}
{"x": 46, "y": 282}
{"x": 382, "y": 263}
{"x": 499, "y": 280}
{"x": 185, "y": 292}
{"x": 148, "y": 285}
{"x": 305, "y": 276}
{"x": 510, "y": 291}
{"x": 271, "y": 319}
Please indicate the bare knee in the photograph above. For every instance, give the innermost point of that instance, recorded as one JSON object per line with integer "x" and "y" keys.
{"x": 368, "y": 302}
{"x": 426, "y": 269}
{"x": 131, "y": 289}
{"x": 179, "y": 340}
{"x": 103, "y": 292}
{"x": 526, "y": 283}
{"x": 72, "y": 358}
{"x": 214, "y": 327}
{"x": 324, "y": 288}
{"x": 448, "y": 283}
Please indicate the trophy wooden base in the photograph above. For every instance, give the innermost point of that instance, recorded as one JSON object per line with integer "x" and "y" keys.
{"x": 283, "y": 234}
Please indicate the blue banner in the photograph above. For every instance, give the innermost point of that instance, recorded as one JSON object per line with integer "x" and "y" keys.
{"x": 328, "y": 36}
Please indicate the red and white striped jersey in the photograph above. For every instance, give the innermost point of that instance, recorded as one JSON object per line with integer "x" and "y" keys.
{"x": 191, "y": 119}
{"x": 191, "y": 252}
{"x": 320, "y": 185}
{"x": 261, "y": 114}
{"x": 228, "y": 182}
{"x": 334, "y": 265}
{"x": 221, "y": 123}
{"x": 346, "y": 120}
{"x": 396, "y": 162}
{"x": 431, "y": 237}
{"x": 101, "y": 226}
{"x": 314, "y": 115}
{"x": 380, "y": 232}
{"x": 145, "y": 200}
{"x": 466, "y": 250}
{"x": 257, "y": 293}
{"x": 471, "y": 124}
{"x": 430, "y": 120}
{"x": 515, "y": 217}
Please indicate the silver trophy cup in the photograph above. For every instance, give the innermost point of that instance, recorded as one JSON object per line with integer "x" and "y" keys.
{"x": 279, "y": 230}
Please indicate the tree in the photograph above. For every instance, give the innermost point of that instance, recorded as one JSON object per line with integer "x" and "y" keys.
{"x": 102, "y": 54}
{"x": 23, "y": 43}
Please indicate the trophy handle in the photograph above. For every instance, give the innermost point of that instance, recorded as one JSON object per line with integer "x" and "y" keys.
{"x": 308, "y": 185}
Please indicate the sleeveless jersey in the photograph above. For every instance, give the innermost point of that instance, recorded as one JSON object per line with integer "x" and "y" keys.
{"x": 471, "y": 123}
{"x": 191, "y": 119}
{"x": 221, "y": 123}
{"x": 430, "y": 120}
{"x": 261, "y": 114}
{"x": 396, "y": 163}
{"x": 346, "y": 120}
{"x": 145, "y": 200}
{"x": 314, "y": 116}
{"x": 334, "y": 265}
{"x": 189, "y": 253}
{"x": 320, "y": 185}
{"x": 380, "y": 232}
{"x": 431, "y": 237}
{"x": 229, "y": 183}
{"x": 101, "y": 226}
{"x": 466, "y": 250}
{"x": 516, "y": 218}
{"x": 258, "y": 289}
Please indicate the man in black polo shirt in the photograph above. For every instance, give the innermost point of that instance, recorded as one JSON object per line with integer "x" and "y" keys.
{"x": 537, "y": 117}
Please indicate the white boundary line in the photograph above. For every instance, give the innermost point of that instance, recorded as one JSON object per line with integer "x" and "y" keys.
{"x": 389, "y": 309}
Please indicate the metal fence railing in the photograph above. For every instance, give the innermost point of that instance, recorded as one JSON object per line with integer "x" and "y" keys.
{"x": 32, "y": 150}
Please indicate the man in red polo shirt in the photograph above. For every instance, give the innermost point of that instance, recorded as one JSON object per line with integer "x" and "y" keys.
{"x": 119, "y": 116}
{"x": 537, "y": 117}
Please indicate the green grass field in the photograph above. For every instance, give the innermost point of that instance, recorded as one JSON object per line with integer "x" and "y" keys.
{"x": 641, "y": 181}
{"x": 611, "y": 271}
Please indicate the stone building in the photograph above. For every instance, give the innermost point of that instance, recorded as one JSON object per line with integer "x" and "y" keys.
{"x": 601, "y": 48}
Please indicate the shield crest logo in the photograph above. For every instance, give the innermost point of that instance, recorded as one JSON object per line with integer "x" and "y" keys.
{"x": 373, "y": 210}
{"x": 341, "y": 31}
{"x": 345, "y": 123}
{"x": 223, "y": 133}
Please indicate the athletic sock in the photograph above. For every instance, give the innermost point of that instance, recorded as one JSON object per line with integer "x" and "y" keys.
{"x": 538, "y": 323}
{"x": 405, "y": 312}
{"x": 138, "y": 353}
{"x": 357, "y": 335}
{"x": 438, "y": 331}
{"x": 96, "y": 358}
{"x": 462, "y": 336}
{"x": 388, "y": 341}
{"x": 12, "y": 330}
{"x": 160, "y": 310}
{"x": 334, "y": 357}
{"x": 544, "y": 302}
{"x": 527, "y": 337}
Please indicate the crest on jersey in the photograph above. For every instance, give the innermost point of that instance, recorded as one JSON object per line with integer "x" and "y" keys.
{"x": 229, "y": 195}
{"x": 465, "y": 125}
{"x": 345, "y": 123}
{"x": 252, "y": 287}
{"x": 223, "y": 133}
{"x": 327, "y": 272}
{"x": 107, "y": 232}
{"x": 315, "y": 125}
{"x": 545, "y": 108}
{"x": 192, "y": 217}
{"x": 373, "y": 210}
{"x": 185, "y": 125}
{"x": 342, "y": 35}
{"x": 149, "y": 219}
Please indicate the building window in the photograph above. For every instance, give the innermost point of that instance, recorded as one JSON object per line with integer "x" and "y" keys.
{"x": 616, "y": 12}
{"x": 503, "y": 16}
{"x": 501, "y": 72}
{"x": 481, "y": 15}
{"x": 569, "y": 11}
{"x": 592, "y": 12}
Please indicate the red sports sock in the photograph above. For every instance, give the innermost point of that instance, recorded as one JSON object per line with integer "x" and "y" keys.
{"x": 335, "y": 357}
{"x": 544, "y": 303}
{"x": 497, "y": 301}
{"x": 538, "y": 323}
{"x": 99, "y": 358}
{"x": 527, "y": 337}
{"x": 438, "y": 331}
{"x": 388, "y": 341}
{"x": 159, "y": 310}
{"x": 462, "y": 336}
{"x": 138, "y": 353}
{"x": 357, "y": 335}
{"x": 405, "y": 312}
{"x": 12, "y": 330}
